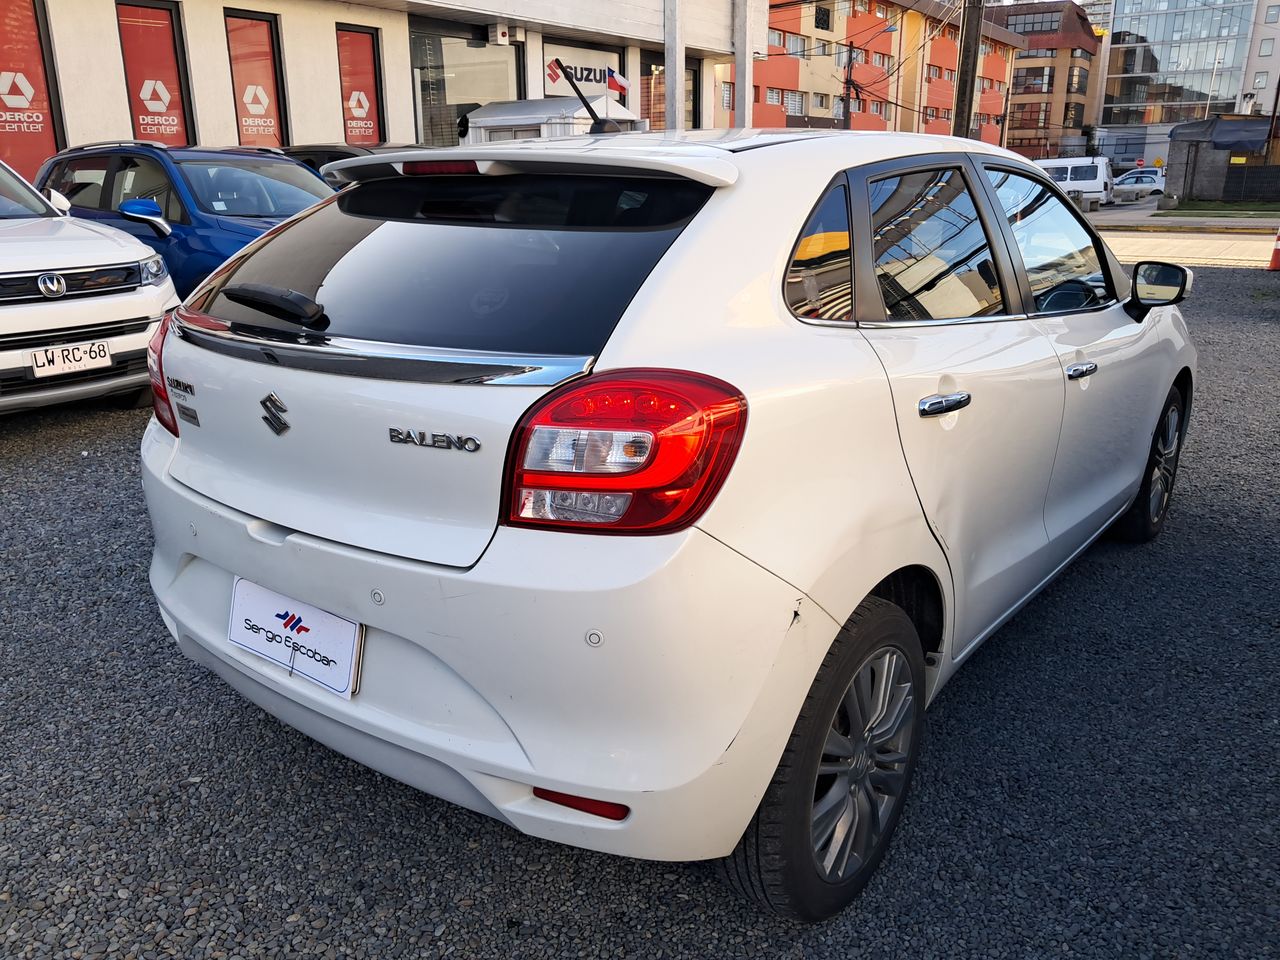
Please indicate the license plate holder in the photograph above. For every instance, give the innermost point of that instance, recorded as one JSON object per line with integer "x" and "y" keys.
{"x": 309, "y": 642}
{"x": 69, "y": 358}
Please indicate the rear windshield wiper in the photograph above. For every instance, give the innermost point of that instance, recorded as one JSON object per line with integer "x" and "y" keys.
{"x": 279, "y": 302}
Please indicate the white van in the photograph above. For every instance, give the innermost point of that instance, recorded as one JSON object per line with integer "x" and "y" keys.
{"x": 1090, "y": 175}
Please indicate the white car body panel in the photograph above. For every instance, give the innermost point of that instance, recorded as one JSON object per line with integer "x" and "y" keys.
{"x": 480, "y": 678}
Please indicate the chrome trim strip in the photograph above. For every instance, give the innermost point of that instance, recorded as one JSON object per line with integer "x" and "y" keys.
{"x": 888, "y": 324}
{"x": 389, "y": 361}
{"x": 37, "y": 273}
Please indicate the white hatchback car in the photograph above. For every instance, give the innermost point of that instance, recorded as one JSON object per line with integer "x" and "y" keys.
{"x": 79, "y": 302}
{"x": 641, "y": 491}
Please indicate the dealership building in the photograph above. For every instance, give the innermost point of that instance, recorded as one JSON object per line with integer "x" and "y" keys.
{"x": 282, "y": 72}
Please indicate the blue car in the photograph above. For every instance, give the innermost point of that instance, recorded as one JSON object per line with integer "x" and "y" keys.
{"x": 196, "y": 206}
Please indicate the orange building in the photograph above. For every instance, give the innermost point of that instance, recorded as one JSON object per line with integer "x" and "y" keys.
{"x": 900, "y": 58}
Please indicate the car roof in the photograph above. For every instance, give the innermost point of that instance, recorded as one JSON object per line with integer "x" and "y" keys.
{"x": 714, "y": 157}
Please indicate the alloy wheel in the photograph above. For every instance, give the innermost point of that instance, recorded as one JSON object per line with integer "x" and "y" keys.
{"x": 1164, "y": 463}
{"x": 862, "y": 773}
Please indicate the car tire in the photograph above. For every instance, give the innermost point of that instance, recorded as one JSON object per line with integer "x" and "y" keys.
{"x": 793, "y": 858}
{"x": 1146, "y": 516}
{"x": 1157, "y": 193}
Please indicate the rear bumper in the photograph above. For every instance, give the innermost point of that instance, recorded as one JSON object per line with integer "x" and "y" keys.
{"x": 479, "y": 684}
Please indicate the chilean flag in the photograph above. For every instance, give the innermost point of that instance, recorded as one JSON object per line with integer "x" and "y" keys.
{"x": 617, "y": 82}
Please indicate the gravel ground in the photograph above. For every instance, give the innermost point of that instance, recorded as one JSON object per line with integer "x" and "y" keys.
{"x": 1098, "y": 781}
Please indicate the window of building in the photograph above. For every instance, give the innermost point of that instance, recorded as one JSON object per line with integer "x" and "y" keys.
{"x": 933, "y": 259}
{"x": 726, "y": 95}
{"x": 859, "y": 55}
{"x": 775, "y": 38}
{"x": 821, "y": 100}
{"x": 1059, "y": 254}
{"x": 931, "y": 113}
{"x": 953, "y": 34}
{"x": 1273, "y": 13}
{"x": 821, "y": 48}
{"x": 793, "y": 103}
{"x": 253, "y": 43}
{"x": 1033, "y": 79}
{"x": 843, "y": 8}
{"x": 1026, "y": 116}
{"x": 935, "y": 73}
{"x": 862, "y": 6}
{"x": 755, "y": 93}
{"x": 1073, "y": 115}
{"x": 1081, "y": 54}
{"x": 456, "y": 70}
{"x": 986, "y": 49}
{"x": 882, "y": 11}
{"x": 946, "y": 113}
{"x": 1025, "y": 23}
{"x": 773, "y": 95}
{"x": 821, "y": 18}
{"x": 797, "y": 46}
{"x": 155, "y": 72}
{"x": 1078, "y": 80}
{"x": 1265, "y": 46}
{"x": 859, "y": 106}
{"x": 949, "y": 75}
{"x": 819, "y": 284}
{"x": 1037, "y": 52}
{"x": 1260, "y": 79}
{"x": 877, "y": 107}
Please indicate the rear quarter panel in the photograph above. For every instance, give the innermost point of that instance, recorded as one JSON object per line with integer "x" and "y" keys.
{"x": 819, "y": 494}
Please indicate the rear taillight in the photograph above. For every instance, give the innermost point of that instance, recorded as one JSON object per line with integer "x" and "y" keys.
{"x": 629, "y": 451}
{"x": 431, "y": 168}
{"x": 159, "y": 389}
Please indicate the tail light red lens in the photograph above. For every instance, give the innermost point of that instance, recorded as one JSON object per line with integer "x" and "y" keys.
{"x": 428, "y": 168}
{"x": 598, "y": 808}
{"x": 159, "y": 389}
{"x": 629, "y": 451}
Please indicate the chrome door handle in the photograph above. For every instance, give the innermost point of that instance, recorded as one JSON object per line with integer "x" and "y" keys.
{"x": 940, "y": 403}
{"x": 1078, "y": 371}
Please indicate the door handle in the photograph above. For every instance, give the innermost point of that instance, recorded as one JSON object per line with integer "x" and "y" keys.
{"x": 1078, "y": 371}
{"x": 940, "y": 403}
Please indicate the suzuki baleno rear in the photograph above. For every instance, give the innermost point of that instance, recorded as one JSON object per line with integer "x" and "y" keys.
{"x": 400, "y": 504}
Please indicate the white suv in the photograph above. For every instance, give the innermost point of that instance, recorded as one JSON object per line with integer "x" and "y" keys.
{"x": 78, "y": 303}
{"x": 641, "y": 491}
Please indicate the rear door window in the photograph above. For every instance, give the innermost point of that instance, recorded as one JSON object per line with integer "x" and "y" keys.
{"x": 80, "y": 180}
{"x": 933, "y": 256}
{"x": 520, "y": 263}
{"x": 1084, "y": 173}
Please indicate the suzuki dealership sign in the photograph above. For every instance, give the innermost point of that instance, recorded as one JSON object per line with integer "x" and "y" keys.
{"x": 589, "y": 68}
{"x": 148, "y": 42}
{"x": 358, "y": 71}
{"x": 26, "y": 113}
{"x": 252, "y": 44}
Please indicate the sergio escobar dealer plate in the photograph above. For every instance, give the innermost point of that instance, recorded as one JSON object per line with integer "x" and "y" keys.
{"x": 306, "y": 640}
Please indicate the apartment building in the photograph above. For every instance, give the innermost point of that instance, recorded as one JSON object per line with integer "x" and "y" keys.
{"x": 895, "y": 63}
{"x": 278, "y": 72}
{"x": 1055, "y": 79}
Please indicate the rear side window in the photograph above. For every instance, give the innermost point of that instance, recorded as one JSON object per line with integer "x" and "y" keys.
{"x": 819, "y": 282}
{"x": 933, "y": 257}
{"x": 533, "y": 264}
{"x": 80, "y": 181}
{"x": 1084, "y": 173}
{"x": 1059, "y": 174}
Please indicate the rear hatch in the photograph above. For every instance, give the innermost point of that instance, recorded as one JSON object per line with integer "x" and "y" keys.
{"x": 359, "y": 373}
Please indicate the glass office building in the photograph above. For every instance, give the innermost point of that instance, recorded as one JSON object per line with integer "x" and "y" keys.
{"x": 1172, "y": 61}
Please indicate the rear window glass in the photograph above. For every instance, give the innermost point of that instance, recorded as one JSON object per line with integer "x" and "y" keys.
{"x": 519, "y": 264}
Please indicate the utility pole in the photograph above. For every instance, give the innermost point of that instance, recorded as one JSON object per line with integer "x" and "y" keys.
{"x": 967, "y": 77}
{"x": 848, "y": 85}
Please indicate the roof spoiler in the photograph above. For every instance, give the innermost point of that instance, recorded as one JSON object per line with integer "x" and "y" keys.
{"x": 578, "y": 159}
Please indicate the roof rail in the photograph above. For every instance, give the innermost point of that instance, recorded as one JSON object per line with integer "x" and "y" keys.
{"x": 117, "y": 143}
{"x": 275, "y": 150}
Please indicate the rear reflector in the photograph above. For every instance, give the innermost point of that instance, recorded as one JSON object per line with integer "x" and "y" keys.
{"x": 627, "y": 451}
{"x": 430, "y": 168}
{"x": 159, "y": 389}
{"x": 597, "y": 808}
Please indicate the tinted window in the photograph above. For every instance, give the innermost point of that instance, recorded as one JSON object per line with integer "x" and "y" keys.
{"x": 1059, "y": 174}
{"x": 139, "y": 178}
{"x": 1061, "y": 259}
{"x": 1084, "y": 173}
{"x": 933, "y": 259}
{"x": 17, "y": 200}
{"x": 820, "y": 279}
{"x": 253, "y": 188}
{"x": 80, "y": 180}
{"x": 519, "y": 263}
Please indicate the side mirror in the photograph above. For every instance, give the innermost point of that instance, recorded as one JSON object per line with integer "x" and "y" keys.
{"x": 1157, "y": 284}
{"x": 146, "y": 211}
{"x": 59, "y": 202}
